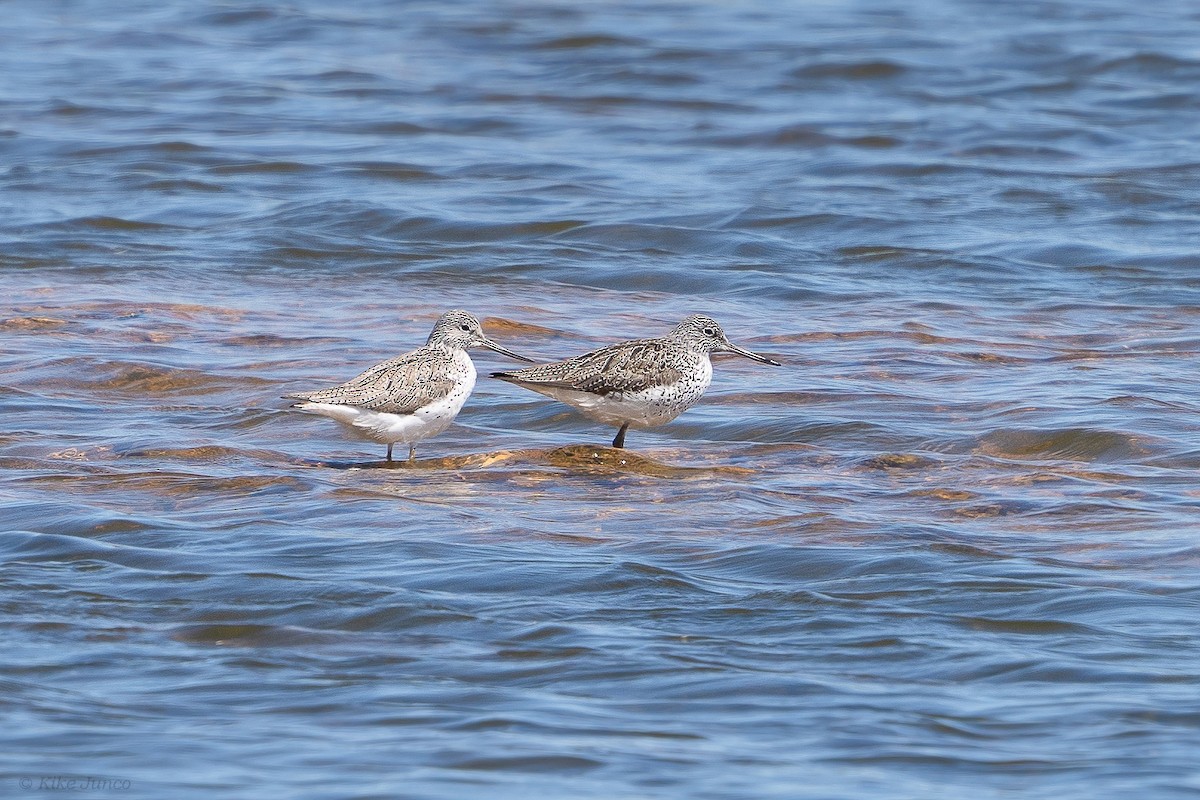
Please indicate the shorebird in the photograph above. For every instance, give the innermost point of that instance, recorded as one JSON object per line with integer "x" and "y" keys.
{"x": 643, "y": 383}
{"x": 411, "y": 397}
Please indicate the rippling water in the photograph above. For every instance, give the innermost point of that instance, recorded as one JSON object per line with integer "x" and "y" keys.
{"x": 951, "y": 547}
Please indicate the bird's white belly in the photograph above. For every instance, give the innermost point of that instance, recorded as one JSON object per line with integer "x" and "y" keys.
{"x": 388, "y": 428}
{"x": 641, "y": 409}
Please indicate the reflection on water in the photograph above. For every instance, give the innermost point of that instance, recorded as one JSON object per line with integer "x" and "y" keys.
{"x": 948, "y": 548}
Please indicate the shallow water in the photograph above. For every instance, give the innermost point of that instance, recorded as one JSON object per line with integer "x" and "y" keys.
{"x": 951, "y": 546}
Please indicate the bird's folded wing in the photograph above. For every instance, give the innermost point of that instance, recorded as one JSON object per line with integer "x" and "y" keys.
{"x": 624, "y": 367}
{"x": 399, "y": 386}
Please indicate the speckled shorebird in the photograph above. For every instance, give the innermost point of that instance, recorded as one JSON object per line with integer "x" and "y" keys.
{"x": 642, "y": 383}
{"x": 413, "y": 396}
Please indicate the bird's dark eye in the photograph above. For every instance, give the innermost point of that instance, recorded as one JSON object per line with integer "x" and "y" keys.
{"x": 465, "y": 327}
{"x": 710, "y": 332}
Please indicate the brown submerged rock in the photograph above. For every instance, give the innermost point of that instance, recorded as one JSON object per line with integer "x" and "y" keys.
{"x": 577, "y": 458}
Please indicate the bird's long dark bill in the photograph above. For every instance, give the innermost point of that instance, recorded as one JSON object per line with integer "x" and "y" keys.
{"x": 733, "y": 348}
{"x": 489, "y": 344}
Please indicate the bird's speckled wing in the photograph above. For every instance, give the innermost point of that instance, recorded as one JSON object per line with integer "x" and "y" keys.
{"x": 624, "y": 367}
{"x": 399, "y": 386}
